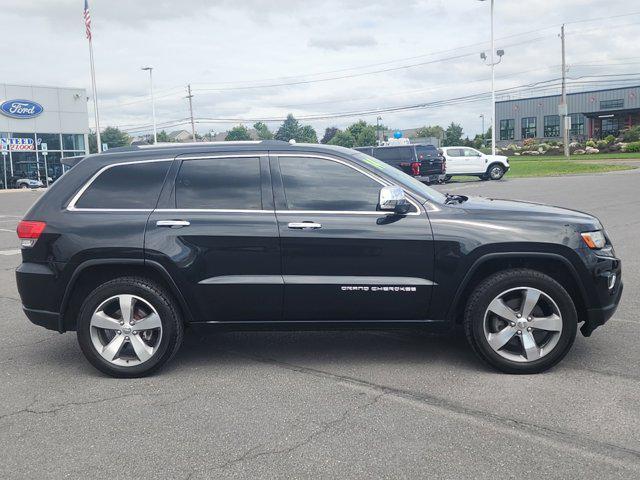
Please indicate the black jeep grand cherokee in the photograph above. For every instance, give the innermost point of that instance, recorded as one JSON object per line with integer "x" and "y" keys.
{"x": 131, "y": 246}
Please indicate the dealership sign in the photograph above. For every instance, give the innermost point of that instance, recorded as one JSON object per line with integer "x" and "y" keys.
{"x": 17, "y": 144}
{"x": 21, "y": 109}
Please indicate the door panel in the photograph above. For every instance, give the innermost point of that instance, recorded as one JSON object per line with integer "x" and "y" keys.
{"x": 356, "y": 264}
{"x": 224, "y": 258}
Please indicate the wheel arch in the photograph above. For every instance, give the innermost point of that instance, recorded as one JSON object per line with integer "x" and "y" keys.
{"x": 91, "y": 273}
{"x": 494, "y": 163}
{"x": 555, "y": 265}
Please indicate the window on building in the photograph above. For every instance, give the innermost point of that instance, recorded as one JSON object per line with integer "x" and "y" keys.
{"x": 319, "y": 184}
{"x": 132, "y": 186}
{"x": 73, "y": 142}
{"x": 529, "y": 127}
{"x": 577, "y": 124}
{"x": 552, "y": 126}
{"x": 611, "y": 104}
{"x": 507, "y": 129}
{"x": 219, "y": 183}
{"x": 51, "y": 139}
{"x": 611, "y": 126}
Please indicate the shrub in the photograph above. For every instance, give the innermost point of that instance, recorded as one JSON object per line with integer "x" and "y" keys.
{"x": 528, "y": 142}
{"x": 631, "y": 134}
{"x": 590, "y": 143}
{"x": 609, "y": 139}
{"x": 602, "y": 144}
{"x": 632, "y": 147}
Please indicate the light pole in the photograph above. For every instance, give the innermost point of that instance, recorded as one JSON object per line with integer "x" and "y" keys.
{"x": 378, "y": 129}
{"x": 482, "y": 117}
{"x": 492, "y": 64}
{"x": 153, "y": 104}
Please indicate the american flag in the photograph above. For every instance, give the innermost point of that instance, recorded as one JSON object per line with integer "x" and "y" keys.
{"x": 87, "y": 18}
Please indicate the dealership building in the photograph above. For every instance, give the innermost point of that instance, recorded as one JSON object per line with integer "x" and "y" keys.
{"x": 39, "y": 124}
{"x": 594, "y": 114}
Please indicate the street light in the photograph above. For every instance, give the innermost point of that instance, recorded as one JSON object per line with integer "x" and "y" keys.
{"x": 153, "y": 104}
{"x": 492, "y": 64}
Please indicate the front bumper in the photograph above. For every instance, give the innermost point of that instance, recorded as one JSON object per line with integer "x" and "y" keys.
{"x": 607, "y": 299}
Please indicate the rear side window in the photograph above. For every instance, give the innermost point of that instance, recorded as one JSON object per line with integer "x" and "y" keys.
{"x": 219, "y": 183}
{"x": 131, "y": 186}
{"x": 387, "y": 155}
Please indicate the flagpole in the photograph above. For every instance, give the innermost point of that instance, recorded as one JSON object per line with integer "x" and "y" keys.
{"x": 95, "y": 97}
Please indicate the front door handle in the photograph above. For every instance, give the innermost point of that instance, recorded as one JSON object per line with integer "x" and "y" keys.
{"x": 304, "y": 225}
{"x": 173, "y": 223}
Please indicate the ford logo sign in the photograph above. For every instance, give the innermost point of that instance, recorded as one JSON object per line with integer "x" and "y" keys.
{"x": 21, "y": 109}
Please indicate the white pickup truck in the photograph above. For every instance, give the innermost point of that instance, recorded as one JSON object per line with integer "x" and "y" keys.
{"x": 469, "y": 161}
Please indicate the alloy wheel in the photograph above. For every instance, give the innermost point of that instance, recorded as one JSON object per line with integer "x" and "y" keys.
{"x": 522, "y": 324}
{"x": 126, "y": 330}
{"x": 496, "y": 173}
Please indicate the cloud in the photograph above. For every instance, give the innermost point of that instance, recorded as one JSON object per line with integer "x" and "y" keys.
{"x": 340, "y": 43}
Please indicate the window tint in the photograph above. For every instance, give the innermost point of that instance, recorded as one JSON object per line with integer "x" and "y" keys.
{"x": 424, "y": 151}
{"x": 387, "y": 155}
{"x": 318, "y": 184}
{"x": 132, "y": 186}
{"x": 219, "y": 183}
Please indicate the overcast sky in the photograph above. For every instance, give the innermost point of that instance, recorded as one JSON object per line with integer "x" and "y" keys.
{"x": 235, "y": 49}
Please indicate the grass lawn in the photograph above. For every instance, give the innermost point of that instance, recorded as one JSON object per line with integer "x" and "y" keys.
{"x": 546, "y": 168}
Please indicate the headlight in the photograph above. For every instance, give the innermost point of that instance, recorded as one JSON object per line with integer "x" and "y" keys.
{"x": 594, "y": 240}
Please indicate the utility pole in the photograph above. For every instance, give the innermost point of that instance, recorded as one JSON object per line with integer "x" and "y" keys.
{"x": 563, "y": 109}
{"x": 193, "y": 125}
{"x": 483, "y": 136}
{"x": 153, "y": 104}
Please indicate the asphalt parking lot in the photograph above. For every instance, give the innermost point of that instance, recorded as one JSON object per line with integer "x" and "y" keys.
{"x": 332, "y": 404}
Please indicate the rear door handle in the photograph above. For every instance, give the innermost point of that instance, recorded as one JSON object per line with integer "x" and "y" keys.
{"x": 304, "y": 225}
{"x": 173, "y": 223}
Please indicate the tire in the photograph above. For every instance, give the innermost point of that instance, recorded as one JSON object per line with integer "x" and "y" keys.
{"x": 484, "y": 328}
{"x": 134, "y": 353}
{"x": 24, "y": 186}
{"x": 447, "y": 178}
{"x": 495, "y": 172}
{"x": 484, "y": 177}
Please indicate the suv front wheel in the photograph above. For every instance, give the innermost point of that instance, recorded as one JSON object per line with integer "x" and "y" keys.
{"x": 129, "y": 327}
{"x": 520, "y": 321}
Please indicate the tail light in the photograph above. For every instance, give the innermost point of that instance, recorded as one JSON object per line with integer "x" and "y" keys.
{"x": 29, "y": 232}
{"x": 415, "y": 168}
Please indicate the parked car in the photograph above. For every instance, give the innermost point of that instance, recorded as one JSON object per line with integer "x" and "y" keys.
{"x": 131, "y": 247}
{"x": 20, "y": 181}
{"x": 469, "y": 161}
{"x": 422, "y": 162}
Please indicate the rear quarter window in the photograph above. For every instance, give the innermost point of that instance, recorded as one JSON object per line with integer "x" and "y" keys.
{"x": 128, "y": 186}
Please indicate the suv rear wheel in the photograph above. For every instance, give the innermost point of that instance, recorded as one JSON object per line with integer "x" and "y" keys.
{"x": 495, "y": 172}
{"x": 129, "y": 327}
{"x": 520, "y": 321}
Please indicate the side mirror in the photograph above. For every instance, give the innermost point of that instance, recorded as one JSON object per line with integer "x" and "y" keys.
{"x": 392, "y": 198}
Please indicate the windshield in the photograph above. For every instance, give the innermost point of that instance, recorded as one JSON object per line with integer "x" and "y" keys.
{"x": 401, "y": 177}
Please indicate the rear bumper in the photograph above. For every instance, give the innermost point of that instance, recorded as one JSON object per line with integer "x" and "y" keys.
{"x": 43, "y": 318}
{"x": 428, "y": 178}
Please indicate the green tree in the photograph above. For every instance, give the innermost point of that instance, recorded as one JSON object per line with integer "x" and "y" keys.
{"x": 238, "y": 133}
{"x": 292, "y": 130}
{"x": 329, "y": 133}
{"x": 307, "y": 134}
{"x": 453, "y": 134}
{"x": 263, "y": 131}
{"x": 163, "y": 136}
{"x": 112, "y": 136}
{"x": 288, "y": 130}
{"x": 344, "y": 139}
{"x": 435, "y": 131}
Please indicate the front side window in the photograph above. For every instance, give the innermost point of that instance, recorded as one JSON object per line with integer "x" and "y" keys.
{"x": 470, "y": 152}
{"x": 325, "y": 185}
{"x": 529, "y": 127}
{"x": 219, "y": 183}
{"x": 552, "y": 126}
{"x": 507, "y": 129}
{"x": 129, "y": 186}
